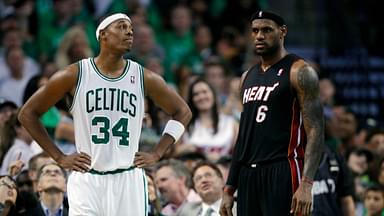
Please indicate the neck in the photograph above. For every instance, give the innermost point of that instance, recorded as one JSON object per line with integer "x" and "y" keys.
{"x": 209, "y": 200}
{"x": 52, "y": 201}
{"x": 181, "y": 196}
{"x": 268, "y": 60}
{"x": 204, "y": 115}
{"x": 109, "y": 62}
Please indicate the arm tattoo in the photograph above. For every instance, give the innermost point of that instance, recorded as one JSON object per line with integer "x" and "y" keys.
{"x": 312, "y": 113}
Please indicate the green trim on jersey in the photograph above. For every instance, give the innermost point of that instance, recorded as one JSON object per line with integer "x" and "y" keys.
{"x": 142, "y": 79}
{"x": 145, "y": 192}
{"x": 96, "y": 172}
{"x": 126, "y": 68}
{"x": 79, "y": 76}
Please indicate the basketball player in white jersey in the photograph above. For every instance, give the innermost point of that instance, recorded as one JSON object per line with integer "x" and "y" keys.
{"x": 108, "y": 107}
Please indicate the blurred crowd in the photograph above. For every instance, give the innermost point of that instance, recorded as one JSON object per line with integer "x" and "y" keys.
{"x": 201, "y": 48}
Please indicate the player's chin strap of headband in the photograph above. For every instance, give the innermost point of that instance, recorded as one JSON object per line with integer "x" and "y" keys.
{"x": 110, "y": 19}
{"x": 175, "y": 129}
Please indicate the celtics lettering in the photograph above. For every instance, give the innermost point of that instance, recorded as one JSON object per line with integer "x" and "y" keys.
{"x": 111, "y": 99}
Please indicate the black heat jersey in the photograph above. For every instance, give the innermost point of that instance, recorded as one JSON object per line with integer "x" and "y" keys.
{"x": 271, "y": 127}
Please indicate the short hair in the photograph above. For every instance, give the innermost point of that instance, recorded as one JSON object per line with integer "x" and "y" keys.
{"x": 32, "y": 161}
{"x": 268, "y": 15}
{"x": 375, "y": 188}
{"x": 178, "y": 168}
{"x": 373, "y": 132}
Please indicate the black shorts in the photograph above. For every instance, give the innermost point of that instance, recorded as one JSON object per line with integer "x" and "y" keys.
{"x": 266, "y": 190}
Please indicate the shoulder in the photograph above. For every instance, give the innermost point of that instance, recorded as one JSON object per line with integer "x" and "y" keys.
{"x": 189, "y": 208}
{"x": 303, "y": 75}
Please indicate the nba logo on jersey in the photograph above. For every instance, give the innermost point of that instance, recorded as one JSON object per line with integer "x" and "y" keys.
{"x": 280, "y": 72}
{"x": 132, "y": 79}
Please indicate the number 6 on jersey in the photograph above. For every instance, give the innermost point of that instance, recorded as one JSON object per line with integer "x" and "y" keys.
{"x": 261, "y": 113}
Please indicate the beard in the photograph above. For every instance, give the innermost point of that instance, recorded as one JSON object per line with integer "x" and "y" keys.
{"x": 267, "y": 50}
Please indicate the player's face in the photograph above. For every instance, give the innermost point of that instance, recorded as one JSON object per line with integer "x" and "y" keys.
{"x": 267, "y": 36}
{"x": 207, "y": 182}
{"x": 203, "y": 97}
{"x": 119, "y": 35}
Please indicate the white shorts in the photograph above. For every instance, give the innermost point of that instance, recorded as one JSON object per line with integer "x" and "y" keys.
{"x": 120, "y": 194}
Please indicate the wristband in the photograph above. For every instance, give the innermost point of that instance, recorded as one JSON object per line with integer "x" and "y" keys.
{"x": 174, "y": 128}
{"x": 229, "y": 190}
{"x": 307, "y": 180}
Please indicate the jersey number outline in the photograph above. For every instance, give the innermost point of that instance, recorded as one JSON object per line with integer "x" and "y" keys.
{"x": 119, "y": 129}
{"x": 261, "y": 113}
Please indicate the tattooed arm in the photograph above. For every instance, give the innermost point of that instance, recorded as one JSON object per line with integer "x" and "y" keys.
{"x": 305, "y": 81}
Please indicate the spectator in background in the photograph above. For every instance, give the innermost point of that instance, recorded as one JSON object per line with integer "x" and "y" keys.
{"x": 14, "y": 135}
{"x": 230, "y": 49}
{"x": 73, "y": 47}
{"x": 190, "y": 159}
{"x": 374, "y": 201}
{"x": 12, "y": 86}
{"x": 202, "y": 50}
{"x": 27, "y": 198}
{"x": 209, "y": 131}
{"x": 333, "y": 187}
{"x": 8, "y": 194}
{"x": 327, "y": 93}
{"x": 173, "y": 180}
{"x": 183, "y": 78}
{"x": 35, "y": 164}
{"x": 358, "y": 160}
{"x": 216, "y": 75}
{"x": 343, "y": 126}
{"x": 233, "y": 105}
{"x": 52, "y": 25}
{"x": 208, "y": 183}
{"x": 375, "y": 142}
{"x": 178, "y": 41}
{"x": 144, "y": 46}
{"x": 13, "y": 38}
{"x": 6, "y": 109}
{"x": 51, "y": 186}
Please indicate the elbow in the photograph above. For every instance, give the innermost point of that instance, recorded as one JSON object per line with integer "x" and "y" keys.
{"x": 188, "y": 115}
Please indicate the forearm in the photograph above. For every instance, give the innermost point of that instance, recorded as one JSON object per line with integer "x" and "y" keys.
{"x": 33, "y": 125}
{"x": 233, "y": 175}
{"x": 183, "y": 115}
{"x": 313, "y": 151}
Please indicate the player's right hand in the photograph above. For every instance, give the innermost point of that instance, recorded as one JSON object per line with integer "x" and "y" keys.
{"x": 77, "y": 162}
{"x": 226, "y": 205}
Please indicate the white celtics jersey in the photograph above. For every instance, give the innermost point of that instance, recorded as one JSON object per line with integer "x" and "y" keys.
{"x": 108, "y": 114}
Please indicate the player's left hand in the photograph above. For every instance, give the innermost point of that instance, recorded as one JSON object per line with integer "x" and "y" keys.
{"x": 145, "y": 159}
{"x": 302, "y": 200}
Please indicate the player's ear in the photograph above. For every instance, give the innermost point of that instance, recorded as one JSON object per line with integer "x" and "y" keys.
{"x": 102, "y": 34}
{"x": 283, "y": 30}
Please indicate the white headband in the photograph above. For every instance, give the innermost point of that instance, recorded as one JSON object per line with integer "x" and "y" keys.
{"x": 110, "y": 19}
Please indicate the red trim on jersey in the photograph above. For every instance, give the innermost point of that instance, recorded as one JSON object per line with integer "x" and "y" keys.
{"x": 296, "y": 146}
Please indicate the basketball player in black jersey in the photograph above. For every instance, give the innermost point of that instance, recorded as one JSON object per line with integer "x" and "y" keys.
{"x": 281, "y": 139}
